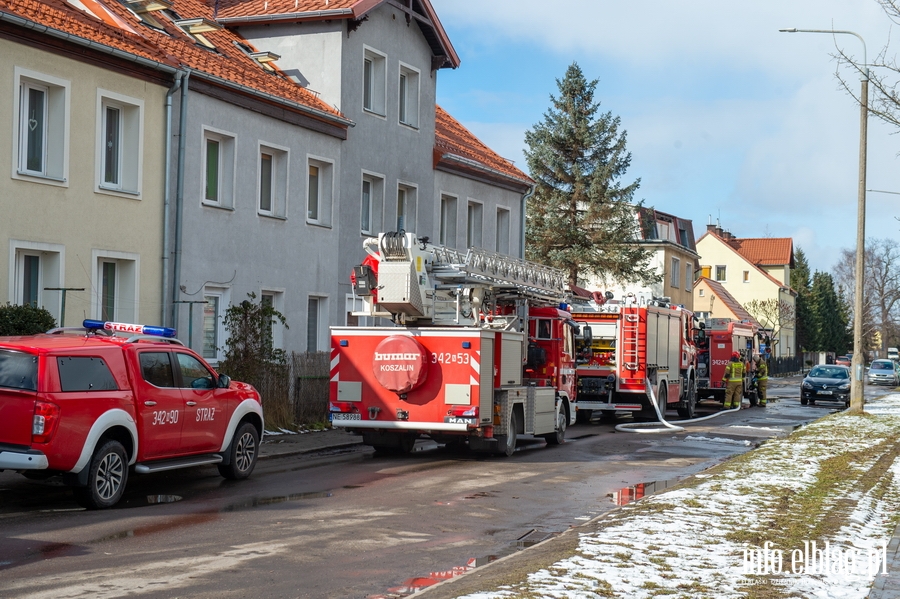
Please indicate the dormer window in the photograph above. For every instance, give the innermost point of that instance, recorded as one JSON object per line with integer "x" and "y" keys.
{"x": 197, "y": 27}
{"x": 146, "y": 6}
{"x": 264, "y": 58}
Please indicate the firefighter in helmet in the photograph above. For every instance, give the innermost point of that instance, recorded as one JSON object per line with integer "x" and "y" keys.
{"x": 762, "y": 378}
{"x": 734, "y": 382}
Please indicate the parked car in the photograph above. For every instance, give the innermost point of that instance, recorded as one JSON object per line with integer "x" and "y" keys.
{"x": 826, "y": 382}
{"x": 884, "y": 372}
{"x": 842, "y": 361}
{"x": 91, "y": 405}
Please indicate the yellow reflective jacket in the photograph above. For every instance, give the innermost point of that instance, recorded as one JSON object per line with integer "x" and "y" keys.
{"x": 762, "y": 371}
{"x": 734, "y": 372}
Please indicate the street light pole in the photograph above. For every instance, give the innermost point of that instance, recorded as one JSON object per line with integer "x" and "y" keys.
{"x": 857, "y": 379}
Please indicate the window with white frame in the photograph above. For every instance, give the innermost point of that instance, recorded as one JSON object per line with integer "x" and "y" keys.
{"x": 688, "y": 277}
{"x": 116, "y": 285}
{"x": 701, "y": 292}
{"x": 218, "y": 168}
{"x": 474, "y": 224}
{"x": 35, "y": 267}
{"x": 274, "y": 299}
{"x": 119, "y": 153}
{"x": 319, "y": 194}
{"x": 447, "y": 233}
{"x": 316, "y": 315}
{"x": 217, "y": 299}
{"x": 272, "y": 184}
{"x": 371, "y": 203}
{"x": 406, "y": 207}
{"x": 675, "y": 273}
{"x": 409, "y": 96}
{"x": 374, "y": 77}
{"x": 501, "y": 239}
{"x": 41, "y": 114}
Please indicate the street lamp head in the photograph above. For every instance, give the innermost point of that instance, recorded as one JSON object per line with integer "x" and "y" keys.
{"x": 790, "y": 30}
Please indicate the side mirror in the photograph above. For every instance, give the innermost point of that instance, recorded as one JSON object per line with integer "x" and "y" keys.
{"x": 224, "y": 381}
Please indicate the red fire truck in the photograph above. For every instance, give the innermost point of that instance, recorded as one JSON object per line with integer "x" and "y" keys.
{"x": 624, "y": 346}
{"x": 478, "y": 349}
{"x": 721, "y": 337}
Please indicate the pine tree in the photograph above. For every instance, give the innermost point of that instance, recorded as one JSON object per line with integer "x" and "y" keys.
{"x": 801, "y": 284}
{"x": 580, "y": 218}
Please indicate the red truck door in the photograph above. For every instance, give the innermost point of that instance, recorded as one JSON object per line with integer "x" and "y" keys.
{"x": 160, "y": 405}
{"x": 205, "y": 406}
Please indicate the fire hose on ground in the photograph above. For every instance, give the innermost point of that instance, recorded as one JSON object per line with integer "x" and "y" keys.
{"x": 663, "y": 426}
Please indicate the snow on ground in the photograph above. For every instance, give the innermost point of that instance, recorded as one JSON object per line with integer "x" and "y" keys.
{"x": 800, "y": 516}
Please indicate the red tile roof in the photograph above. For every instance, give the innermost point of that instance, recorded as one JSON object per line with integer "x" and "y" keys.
{"x": 173, "y": 47}
{"x": 726, "y": 298}
{"x": 776, "y": 251}
{"x": 236, "y": 12}
{"x": 454, "y": 143}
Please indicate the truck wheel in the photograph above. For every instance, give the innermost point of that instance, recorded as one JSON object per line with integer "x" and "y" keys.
{"x": 583, "y": 416}
{"x": 106, "y": 478}
{"x": 688, "y": 412}
{"x": 557, "y": 437}
{"x": 508, "y": 441}
{"x": 241, "y": 453}
{"x": 407, "y": 442}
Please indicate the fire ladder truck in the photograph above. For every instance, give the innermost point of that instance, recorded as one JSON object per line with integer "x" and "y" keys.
{"x": 626, "y": 348}
{"x": 478, "y": 349}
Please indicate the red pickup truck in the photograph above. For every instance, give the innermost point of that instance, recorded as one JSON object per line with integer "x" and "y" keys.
{"x": 90, "y": 403}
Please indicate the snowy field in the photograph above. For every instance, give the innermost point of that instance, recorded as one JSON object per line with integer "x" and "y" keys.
{"x": 805, "y": 516}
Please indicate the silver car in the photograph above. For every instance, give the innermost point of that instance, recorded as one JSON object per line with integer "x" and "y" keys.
{"x": 884, "y": 372}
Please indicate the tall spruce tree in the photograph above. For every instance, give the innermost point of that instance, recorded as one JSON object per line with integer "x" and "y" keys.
{"x": 828, "y": 318}
{"x": 580, "y": 218}
{"x": 800, "y": 282}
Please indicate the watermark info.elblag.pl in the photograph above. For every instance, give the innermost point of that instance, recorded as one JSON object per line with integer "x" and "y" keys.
{"x": 814, "y": 559}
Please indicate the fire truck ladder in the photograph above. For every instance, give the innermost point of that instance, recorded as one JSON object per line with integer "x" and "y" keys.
{"x": 632, "y": 340}
{"x": 479, "y": 266}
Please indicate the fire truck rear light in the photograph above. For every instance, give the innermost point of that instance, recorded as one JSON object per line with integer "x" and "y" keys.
{"x": 341, "y": 406}
{"x": 464, "y": 411}
{"x": 46, "y": 417}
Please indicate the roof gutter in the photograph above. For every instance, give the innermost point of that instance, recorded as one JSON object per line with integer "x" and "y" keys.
{"x": 486, "y": 169}
{"x": 21, "y": 22}
{"x": 291, "y": 16}
{"x": 313, "y": 112}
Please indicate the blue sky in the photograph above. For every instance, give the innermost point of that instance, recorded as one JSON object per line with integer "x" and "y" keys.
{"x": 726, "y": 117}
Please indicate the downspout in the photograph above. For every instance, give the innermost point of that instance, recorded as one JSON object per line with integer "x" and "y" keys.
{"x": 167, "y": 194}
{"x": 179, "y": 195}
{"x": 525, "y": 197}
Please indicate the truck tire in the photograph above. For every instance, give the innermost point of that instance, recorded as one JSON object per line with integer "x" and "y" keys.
{"x": 107, "y": 475}
{"x": 583, "y": 416}
{"x": 688, "y": 412}
{"x": 559, "y": 435}
{"x": 241, "y": 453}
{"x": 508, "y": 441}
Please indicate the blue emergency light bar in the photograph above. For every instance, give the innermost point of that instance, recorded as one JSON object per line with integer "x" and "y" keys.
{"x": 135, "y": 329}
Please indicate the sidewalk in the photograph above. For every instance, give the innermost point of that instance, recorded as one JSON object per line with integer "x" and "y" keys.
{"x": 282, "y": 444}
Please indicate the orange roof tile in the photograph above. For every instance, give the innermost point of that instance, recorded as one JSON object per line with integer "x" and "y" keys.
{"x": 173, "y": 47}
{"x": 233, "y": 12}
{"x": 453, "y": 140}
{"x": 732, "y": 304}
{"x": 776, "y": 251}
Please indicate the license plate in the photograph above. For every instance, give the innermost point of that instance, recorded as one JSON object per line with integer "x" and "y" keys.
{"x": 354, "y": 416}
{"x": 826, "y": 393}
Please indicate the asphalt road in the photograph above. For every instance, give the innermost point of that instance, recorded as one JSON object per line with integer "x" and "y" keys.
{"x": 349, "y": 523}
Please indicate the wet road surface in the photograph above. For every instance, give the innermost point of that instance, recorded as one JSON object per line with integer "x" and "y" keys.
{"x": 350, "y": 523}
